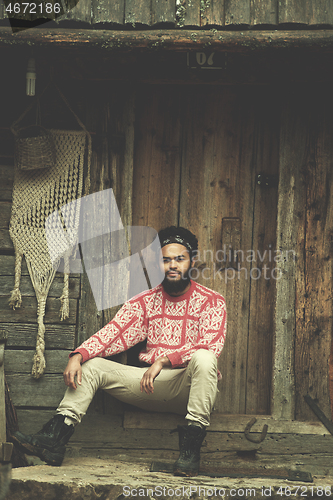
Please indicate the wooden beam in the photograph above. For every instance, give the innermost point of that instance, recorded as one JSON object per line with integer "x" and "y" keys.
{"x": 57, "y": 336}
{"x": 20, "y": 361}
{"x": 290, "y": 223}
{"x": 174, "y": 40}
{"x": 222, "y": 423}
{"x": 27, "y": 391}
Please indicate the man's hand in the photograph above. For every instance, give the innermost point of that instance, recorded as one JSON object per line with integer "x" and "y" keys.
{"x": 149, "y": 376}
{"x": 72, "y": 370}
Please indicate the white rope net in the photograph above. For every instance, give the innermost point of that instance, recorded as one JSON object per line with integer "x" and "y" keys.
{"x": 36, "y": 195}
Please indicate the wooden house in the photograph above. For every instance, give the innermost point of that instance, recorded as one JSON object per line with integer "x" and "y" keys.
{"x": 217, "y": 116}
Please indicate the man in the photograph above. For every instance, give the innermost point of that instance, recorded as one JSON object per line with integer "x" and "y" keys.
{"x": 184, "y": 324}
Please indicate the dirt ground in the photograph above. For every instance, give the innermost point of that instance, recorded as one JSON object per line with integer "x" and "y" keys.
{"x": 86, "y": 478}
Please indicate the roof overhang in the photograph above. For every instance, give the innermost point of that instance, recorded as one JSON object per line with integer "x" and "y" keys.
{"x": 170, "y": 40}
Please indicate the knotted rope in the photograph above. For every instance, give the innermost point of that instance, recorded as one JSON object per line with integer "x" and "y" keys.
{"x": 36, "y": 195}
{"x": 39, "y": 360}
{"x": 15, "y": 300}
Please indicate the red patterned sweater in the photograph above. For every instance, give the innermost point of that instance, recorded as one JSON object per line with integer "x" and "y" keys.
{"x": 173, "y": 326}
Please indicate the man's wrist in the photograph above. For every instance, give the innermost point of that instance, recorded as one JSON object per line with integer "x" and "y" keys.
{"x": 165, "y": 361}
{"x": 79, "y": 357}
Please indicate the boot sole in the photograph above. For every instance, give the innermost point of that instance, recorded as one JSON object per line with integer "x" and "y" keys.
{"x": 50, "y": 457}
{"x": 179, "y": 472}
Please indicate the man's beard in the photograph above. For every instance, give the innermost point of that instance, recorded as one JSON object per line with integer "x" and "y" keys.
{"x": 178, "y": 285}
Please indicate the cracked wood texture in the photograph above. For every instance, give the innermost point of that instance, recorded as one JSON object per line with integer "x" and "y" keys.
{"x": 305, "y": 223}
{"x": 189, "y": 155}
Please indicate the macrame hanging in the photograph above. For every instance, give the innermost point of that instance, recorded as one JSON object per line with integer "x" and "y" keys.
{"x": 37, "y": 194}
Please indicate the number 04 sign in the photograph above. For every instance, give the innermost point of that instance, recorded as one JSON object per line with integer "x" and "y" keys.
{"x": 205, "y": 60}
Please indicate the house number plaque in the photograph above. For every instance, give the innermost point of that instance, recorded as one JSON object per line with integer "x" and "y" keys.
{"x": 205, "y": 60}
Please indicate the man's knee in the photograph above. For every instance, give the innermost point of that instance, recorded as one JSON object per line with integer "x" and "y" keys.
{"x": 93, "y": 368}
{"x": 90, "y": 365}
{"x": 204, "y": 360}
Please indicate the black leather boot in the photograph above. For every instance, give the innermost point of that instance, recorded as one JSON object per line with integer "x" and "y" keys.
{"x": 49, "y": 443}
{"x": 190, "y": 441}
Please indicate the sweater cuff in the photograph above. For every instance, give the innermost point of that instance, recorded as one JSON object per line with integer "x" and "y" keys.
{"x": 175, "y": 359}
{"x": 83, "y": 352}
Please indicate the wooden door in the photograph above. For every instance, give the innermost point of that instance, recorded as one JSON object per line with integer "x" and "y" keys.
{"x": 198, "y": 152}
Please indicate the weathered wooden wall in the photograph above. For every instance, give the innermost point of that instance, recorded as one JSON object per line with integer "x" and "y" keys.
{"x": 191, "y": 155}
{"x": 225, "y": 14}
{"x": 305, "y": 223}
{"x": 198, "y": 168}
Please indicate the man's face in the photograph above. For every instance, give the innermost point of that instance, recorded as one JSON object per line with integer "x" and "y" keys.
{"x": 176, "y": 265}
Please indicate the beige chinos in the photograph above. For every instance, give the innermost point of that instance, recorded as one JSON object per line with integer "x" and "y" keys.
{"x": 189, "y": 391}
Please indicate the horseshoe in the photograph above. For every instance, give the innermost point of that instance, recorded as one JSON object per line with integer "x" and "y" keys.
{"x": 255, "y": 439}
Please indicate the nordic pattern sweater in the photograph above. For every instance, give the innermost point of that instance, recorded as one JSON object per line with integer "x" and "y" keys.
{"x": 174, "y": 326}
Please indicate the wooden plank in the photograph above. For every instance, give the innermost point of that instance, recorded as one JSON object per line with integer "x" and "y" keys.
{"x": 27, "y": 311}
{"x": 27, "y": 391}
{"x": 188, "y": 14}
{"x": 19, "y": 361}
{"x": 6, "y": 243}
{"x": 235, "y": 41}
{"x": 290, "y": 224}
{"x": 163, "y": 12}
{"x": 6, "y": 172}
{"x": 3, "y": 14}
{"x": 222, "y": 423}
{"x": 5, "y": 211}
{"x": 81, "y": 11}
{"x": 31, "y": 421}
{"x": 7, "y": 268}
{"x": 6, "y": 190}
{"x": 264, "y": 12}
{"x": 101, "y": 435}
{"x": 119, "y": 120}
{"x": 108, "y": 12}
{"x": 6, "y": 182}
{"x": 237, "y": 12}
{"x": 7, "y": 143}
{"x": 292, "y": 11}
{"x": 105, "y": 432}
{"x": 314, "y": 264}
{"x": 263, "y": 274}
{"x": 157, "y": 156}
{"x": 319, "y": 13}
{"x": 26, "y": 288}
{"x": 90, "y": 320}
{"x": 79, "y": 449}
{"x": 212, "y": 13}
{"x": 137, "y": 12}
{"x": 103, "y": 117}
{"x": 224, "y": 122}
{"x": 24, "y": 335}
